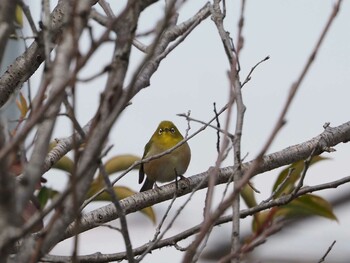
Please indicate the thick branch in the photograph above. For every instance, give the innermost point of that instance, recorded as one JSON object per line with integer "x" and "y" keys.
{"x": 26, "y": 64}
{"x": 98, "y": 257}
{"x": 323, "y": 142}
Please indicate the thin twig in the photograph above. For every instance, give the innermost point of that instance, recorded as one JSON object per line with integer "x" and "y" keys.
{"x": 106, "y": 8}
{"x": 95, "y": 75}
{"x": 327, "y": 252}
{"x": 158, "y": 236}
{"x": 218, "y": 128}
{"x": 279, "y": 187}
{"x": 188, "y": 118}
{"x": 307, "y": 163}
{"x": 218, "y": 17}
{"x": 248, "y": 78}
{"x": 221, "y": 220}
{"x": 188, "y": 123}
{"x": 240, "y": 39}
{"x": 29, "y": 17}
{"x": 207, "y": 225}
{"x": 46, "y": 28}
{"x": 258, "y": 240}
{"x": 151, "y": 245}
{"x": 156, "y": 156}
{"x": 121, "y": 212}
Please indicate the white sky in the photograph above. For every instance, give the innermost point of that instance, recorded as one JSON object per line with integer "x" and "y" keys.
{"x": 194, "y": 76}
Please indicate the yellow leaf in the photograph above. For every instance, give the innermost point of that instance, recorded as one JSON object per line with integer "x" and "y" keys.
{"x": 120, "y": 163}
{"x": 22, "y": 105}
{"x": 19, "y": 16}
{"x": 65, "y": 164}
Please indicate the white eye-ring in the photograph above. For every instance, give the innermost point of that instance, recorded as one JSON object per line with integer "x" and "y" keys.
{"x": 160, "y": 131}
{"x": 172, "y": 130}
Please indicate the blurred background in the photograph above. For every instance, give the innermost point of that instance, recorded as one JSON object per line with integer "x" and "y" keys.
{"x": 192, "y": 78}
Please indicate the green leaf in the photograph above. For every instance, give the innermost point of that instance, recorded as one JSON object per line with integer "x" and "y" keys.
{"x": 65, "y": 164}
{"x": 261, "y": 219}
{"x": 45, "y": 194}
{"x": 248, "y": 196}
{"x": 307, "y": 205}
{"x": 297, "y": 169}
{"x": 120, "y": 163}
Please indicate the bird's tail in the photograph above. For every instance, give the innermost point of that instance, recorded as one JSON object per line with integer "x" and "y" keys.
{"x": 147, "y": 185}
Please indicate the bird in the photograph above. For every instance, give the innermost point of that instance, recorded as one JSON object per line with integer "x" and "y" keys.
{"x": 169, "y": 166}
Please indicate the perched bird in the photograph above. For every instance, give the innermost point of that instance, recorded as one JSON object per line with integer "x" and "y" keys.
{"x": 169, "y": 166}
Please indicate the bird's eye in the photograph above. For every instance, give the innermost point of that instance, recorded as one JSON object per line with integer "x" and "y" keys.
{"x": 172, "y": 130}
{"x": 160, "y": 131}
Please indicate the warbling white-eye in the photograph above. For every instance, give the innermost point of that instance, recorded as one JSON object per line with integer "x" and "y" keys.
{"x": 169, "y": 166}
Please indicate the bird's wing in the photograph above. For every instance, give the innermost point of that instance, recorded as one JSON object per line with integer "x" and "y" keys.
{"x": 141, "y": 174}
{"x": 141, "y": 170}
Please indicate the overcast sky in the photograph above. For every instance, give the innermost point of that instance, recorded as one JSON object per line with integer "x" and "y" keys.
{"x": 195, "y": 75}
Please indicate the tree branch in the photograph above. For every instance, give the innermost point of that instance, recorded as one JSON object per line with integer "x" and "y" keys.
{"x": 99, "y": 258}
{"x": 7, "y": 15}
{"x": 321, "y": 143}
{"x": 26, "y": 64}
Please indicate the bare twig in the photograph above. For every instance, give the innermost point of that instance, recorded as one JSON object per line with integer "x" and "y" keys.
{"x": 121, "y": 212}
{"x": 7, "y": 15}
{"x": 307, "y": 163}
{"x": 195, "y": 229}
{"x": 248, "y": 78}
{"x": 217, "y": 17}
{"x": 327, "y": 252}
{"x": 329, "y": 138}
{"x": 46, "y": 28}
{"x": 106, "y": 8}
{"x": 240, "y": 39}
{"x": 156, "y": 156}
{"x": 29, "y": 17}
{"x": 218, "y": 128}
{"x": 188, "y": 118}
{"x": 269, "y": 231}
{"x": 235, "y": 95}
{"x": 279, "y": 187}
{"x": 96, "y": 75}
{"x": 207, "y": 225}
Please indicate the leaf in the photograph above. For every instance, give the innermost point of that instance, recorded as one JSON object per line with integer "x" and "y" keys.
{"x": 307, "y": 205}
{"x": 65, "y": 164}
{"x": 44, "y": 195}
{"x": 121, "y": 192}
{"x": 289, "y": 185}
{"x": 120, "y": 163}
{"x": 19, "y": 16}
{"x": 248, "y": 196}
{"x": 22, "y": 105}
{"x": 260, "y": 219}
